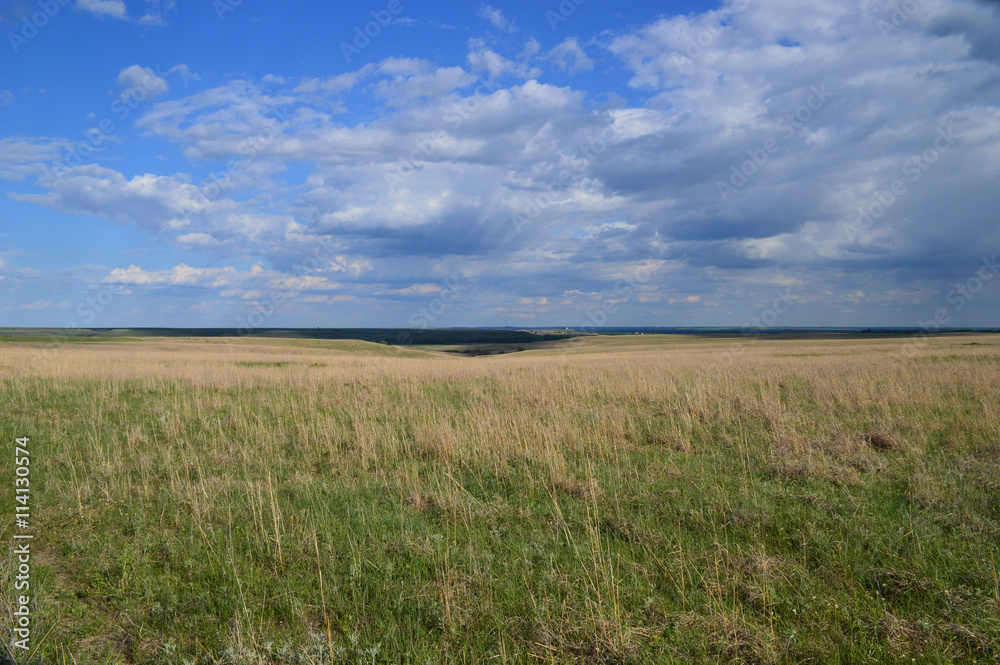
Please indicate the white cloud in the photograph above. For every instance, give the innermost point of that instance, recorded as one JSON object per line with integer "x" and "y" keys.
{"x": 22, "y": 157}
{"x": 197, "y": 239}
{"x": 179, "y": 275}
{"x": 156, "y": 12}
{"x": 418, "y": 289}
{"x": 185, "y": 72}
{"x": 327, "y": 300}
{"x": 137, "y": 79}
{"x": 219, "y": 122}
{"x": 155, "y": 203}
{"x": 431, "y": 84}
{"x": 496, "y": 18}
{"x": 483, "y": 58}
{"x": 44, "y": 305}
{"x": 228, "y": 279}
{"x": 332, "y": 85}
{"x": 112, "y": 8}
{"x": 605, "y": 182}
{"x": 531, "y": 49}
{"x": 404, "y": 66}
{"x": 569, "y": 57}
{"x": 6, "y": 98}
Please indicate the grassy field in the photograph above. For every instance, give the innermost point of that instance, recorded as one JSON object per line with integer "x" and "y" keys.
{"x": 617, "y": 500}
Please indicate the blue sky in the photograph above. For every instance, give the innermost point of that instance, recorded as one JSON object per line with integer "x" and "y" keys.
{"x": 539, "y": 163}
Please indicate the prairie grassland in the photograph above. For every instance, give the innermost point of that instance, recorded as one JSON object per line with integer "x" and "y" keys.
{"x": 626, "y": 500}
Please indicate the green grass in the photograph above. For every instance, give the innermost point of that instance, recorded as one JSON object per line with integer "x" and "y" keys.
{"x": 181, "y": 523}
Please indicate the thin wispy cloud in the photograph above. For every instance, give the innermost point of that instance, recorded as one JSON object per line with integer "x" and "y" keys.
{"x": 496, "y": 18}
{"x": 109, "y": 8}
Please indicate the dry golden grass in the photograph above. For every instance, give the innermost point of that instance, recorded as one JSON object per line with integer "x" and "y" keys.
{"x": 245, "y": 446}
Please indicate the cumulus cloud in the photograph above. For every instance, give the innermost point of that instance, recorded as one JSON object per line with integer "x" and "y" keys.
{"x": 744, "y": 151}
{"x": 845, "y": 109}
{"x": 407, "y": 86}
{"x": 482, "y": 58}
{"x": 112, "y": 8}
{"x": 152, "y": 202}
{"x": 136, "y": 78}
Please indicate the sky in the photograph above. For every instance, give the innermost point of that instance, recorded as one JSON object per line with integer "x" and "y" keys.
{"x": 406, "y": 163}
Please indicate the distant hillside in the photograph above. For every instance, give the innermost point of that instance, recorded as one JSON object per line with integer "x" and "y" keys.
{"x": 401, "y": 336}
